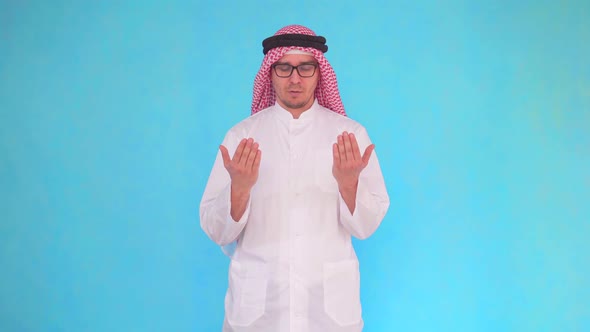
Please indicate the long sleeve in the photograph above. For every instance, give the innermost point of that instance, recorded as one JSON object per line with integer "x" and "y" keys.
{"x": 215, "y": 207}
{"x": 372, "y": 200}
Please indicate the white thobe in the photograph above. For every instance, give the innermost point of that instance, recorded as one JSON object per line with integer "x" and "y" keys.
{"x": 294, "y": 267}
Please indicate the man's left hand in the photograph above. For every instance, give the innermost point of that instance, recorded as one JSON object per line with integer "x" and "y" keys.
{"x": 348, "y": 162}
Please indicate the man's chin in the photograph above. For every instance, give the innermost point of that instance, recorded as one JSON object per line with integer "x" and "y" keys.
{"x": 297, "y": 105}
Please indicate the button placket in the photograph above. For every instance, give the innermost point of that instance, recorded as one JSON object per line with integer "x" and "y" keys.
{"x": 298, "y": 291}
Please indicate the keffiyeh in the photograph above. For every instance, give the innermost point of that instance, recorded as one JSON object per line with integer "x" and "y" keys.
{"x": 326, "y": 92}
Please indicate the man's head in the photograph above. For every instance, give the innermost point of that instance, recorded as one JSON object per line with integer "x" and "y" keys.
{"x": 295, "y": 72}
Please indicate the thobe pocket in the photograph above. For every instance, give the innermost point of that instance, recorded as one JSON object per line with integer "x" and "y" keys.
{"x": 342, "y": 292}
{"x": 245, "y": 301}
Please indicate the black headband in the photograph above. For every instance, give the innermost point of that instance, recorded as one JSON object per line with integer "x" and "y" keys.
{"x": 294, "y": 39}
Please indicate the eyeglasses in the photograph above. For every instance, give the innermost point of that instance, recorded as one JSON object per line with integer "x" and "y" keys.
{"x": 304, "y": 70}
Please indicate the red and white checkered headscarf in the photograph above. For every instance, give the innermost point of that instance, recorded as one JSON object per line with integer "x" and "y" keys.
{"x": 326, "y": 91}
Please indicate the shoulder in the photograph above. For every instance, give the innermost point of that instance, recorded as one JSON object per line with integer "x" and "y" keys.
{"x": 248, "y": 127}
{"x": 339, "y": 120}
{"x": 252, "y": 121}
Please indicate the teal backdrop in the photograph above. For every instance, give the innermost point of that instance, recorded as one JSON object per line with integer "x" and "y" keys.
{"x": 111, "y": 113}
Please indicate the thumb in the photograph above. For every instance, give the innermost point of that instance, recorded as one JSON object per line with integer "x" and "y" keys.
{"x": 224, "y": 155}
{"x": 367, "y": 154}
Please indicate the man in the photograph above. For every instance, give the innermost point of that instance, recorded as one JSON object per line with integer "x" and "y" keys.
{"x": 290, "y": 185}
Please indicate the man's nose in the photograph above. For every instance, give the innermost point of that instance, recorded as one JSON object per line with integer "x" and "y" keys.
{"x": 295, "y": 78}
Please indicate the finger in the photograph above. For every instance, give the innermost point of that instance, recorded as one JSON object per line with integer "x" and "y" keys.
{"x": 246, "y": 152}
{"x": 224, "y": 155}
{"x": 348, "y": 147}
{"x": 341, "y": 150}
{"x": 257, "y": 159}
{"x": 239, "y": 150}
{"x": 335, "y": 154}
{"x": 252, "y": 156}
{"x": 367, "y": 154}
{"x": 356, "y": 152}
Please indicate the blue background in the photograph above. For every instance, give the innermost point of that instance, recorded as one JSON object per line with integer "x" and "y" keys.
{"x": 111, "y": 113}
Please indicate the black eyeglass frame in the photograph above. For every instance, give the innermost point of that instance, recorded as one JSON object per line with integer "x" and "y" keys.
{"x": 315, "y": 68}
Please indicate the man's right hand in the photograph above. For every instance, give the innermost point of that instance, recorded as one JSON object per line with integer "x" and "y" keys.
{"x": 243, "y": 171}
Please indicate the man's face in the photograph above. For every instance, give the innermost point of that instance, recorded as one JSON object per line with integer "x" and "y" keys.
{"x": 295, "y": 93}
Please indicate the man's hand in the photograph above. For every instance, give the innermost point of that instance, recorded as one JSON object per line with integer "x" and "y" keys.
{"x": 348, "y": 165}
{"x": 348, "y": 162}
{"x": 243, "y": 171}
{"x": 243, "y": 167}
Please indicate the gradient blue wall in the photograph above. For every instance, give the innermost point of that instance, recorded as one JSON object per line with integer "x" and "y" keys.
{"x": 111, "y": 113}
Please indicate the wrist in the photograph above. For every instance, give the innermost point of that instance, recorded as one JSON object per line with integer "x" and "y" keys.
{"x": 238, "y": 192}
{"x": 348, "y": 187}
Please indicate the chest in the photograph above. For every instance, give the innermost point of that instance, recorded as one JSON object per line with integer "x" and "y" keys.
{"x": 296, "y": 155}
